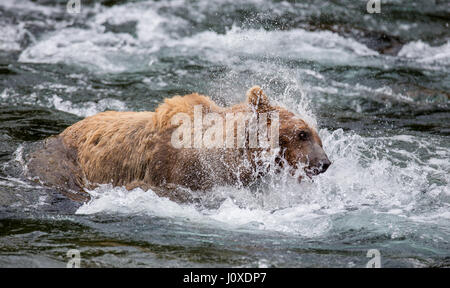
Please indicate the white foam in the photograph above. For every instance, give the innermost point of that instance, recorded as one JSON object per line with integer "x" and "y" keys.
{"x": 424, "y": 53}
{"x": 323, "y": 46}
{"x": 80, "y": 47}
{"x": 118, "y": 200}
{"x": 103, "y": 51}
{"x": 88, "y": 108}
{"x": 299, "y": 220}
{"x": 151, "y": 26}
{"x": 25, "y": 5}
{"x": 10, "y": 37}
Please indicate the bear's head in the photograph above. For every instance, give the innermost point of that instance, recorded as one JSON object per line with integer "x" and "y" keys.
{"x": 300, "y": 145}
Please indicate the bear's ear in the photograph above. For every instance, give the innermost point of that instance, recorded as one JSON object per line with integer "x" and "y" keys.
{"x": 257, "y": 98}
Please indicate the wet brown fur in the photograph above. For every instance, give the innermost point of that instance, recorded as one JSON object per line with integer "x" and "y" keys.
{"x": 133, "y": 149}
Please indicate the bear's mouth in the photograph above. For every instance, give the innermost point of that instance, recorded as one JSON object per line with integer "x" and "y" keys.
{"x": 314, "y": 171}
{"x": 310, "y": 172}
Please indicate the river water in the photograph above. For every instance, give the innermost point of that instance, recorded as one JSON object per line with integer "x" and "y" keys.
{"x": 377, "y": 85}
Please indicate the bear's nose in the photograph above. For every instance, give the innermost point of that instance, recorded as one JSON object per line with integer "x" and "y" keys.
{"x": 323, "y": 165}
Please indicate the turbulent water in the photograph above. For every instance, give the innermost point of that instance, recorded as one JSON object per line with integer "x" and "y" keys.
{"x": 377, "y": 85}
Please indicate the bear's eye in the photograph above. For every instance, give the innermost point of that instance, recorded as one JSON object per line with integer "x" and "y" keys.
{"x": 302, "y": 135}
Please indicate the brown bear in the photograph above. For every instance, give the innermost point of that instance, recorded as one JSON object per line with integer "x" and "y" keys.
{"x": 136, "y": 149}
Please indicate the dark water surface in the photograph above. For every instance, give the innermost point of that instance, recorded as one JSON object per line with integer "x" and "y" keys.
{"x": 378, "y": 86}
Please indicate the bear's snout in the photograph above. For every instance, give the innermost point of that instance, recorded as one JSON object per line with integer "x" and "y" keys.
{"x": 319, "y": 162}
{"x": 324, "y": 164}
{"x": 319, "y": 168}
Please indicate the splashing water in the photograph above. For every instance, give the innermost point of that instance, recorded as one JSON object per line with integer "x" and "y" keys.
{"x": 380, "y": 106}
